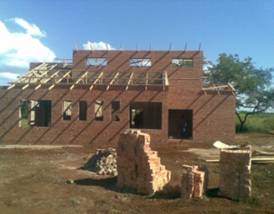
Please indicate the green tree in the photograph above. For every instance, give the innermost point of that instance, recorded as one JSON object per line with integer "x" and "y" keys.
{"x": 252, "y": 84}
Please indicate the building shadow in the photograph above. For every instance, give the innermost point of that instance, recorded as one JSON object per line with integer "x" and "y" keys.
{"x": 108, "y": 183}
{"x": 212, "y": 193}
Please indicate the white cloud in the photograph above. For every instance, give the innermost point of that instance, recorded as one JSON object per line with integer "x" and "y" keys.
{"x": 31, "y": 29}
{"x": 18, "y": 49}
{"x": 97, "y": 46}
{"x": 8, "y": 75}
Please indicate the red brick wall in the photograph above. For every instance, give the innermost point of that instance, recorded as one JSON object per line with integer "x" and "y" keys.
{"x": 213, "y": 116}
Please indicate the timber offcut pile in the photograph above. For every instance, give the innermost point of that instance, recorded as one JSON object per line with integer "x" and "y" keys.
{"x": 103, "y": 162}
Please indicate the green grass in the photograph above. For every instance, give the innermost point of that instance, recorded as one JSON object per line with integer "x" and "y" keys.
{"x": 261, "y": 122}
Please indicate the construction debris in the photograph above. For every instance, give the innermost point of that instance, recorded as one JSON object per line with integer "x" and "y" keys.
{"x": 139, "y": 167}
{"x": 192, "y": 185}
{"x": 103, "y": 162}
{"x": 235, "y": 173}
{"x": 221, "y": 145}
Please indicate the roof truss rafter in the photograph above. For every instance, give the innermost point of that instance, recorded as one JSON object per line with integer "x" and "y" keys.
{"x": 96, "y": 80}
{"x": 78, "y": 80}
{"x": 59, "y": 80}
{"x": 113, "y": 80}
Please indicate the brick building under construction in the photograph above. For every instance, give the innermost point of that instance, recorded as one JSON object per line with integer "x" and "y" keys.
{"x": 92, "y": 99}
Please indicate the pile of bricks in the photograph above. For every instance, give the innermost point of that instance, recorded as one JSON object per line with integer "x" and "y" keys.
{"x": 103, "y": 162}
{"x": 139, "y": 167}
{"x": 192, "y": 184}
{"x": 235, "y": 174}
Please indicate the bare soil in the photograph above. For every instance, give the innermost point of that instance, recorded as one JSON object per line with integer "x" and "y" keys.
{"x": 50, "y": 181}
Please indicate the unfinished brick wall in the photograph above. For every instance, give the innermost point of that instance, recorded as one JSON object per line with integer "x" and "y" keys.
{"x": 235, "y": 174}
{"x": 213, "y": 113}
{"x": 139, "y": 167}
{"x": 192, "y": 185}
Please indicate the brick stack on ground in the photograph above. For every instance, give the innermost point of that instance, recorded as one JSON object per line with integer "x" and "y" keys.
{"x": 192, "y": 185}
{"x": 103, "y": 162}
{"x": 139, "y": 167}
{"x": 235, "y": 174}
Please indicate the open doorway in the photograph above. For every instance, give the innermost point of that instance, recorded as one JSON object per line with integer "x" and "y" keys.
{"x": 180, "y": 124}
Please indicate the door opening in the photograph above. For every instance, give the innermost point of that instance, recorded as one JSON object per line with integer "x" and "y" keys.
{"x": 180, "y": 124}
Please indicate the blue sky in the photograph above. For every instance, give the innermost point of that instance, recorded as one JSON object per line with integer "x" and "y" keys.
{"x": 53, "y": 28}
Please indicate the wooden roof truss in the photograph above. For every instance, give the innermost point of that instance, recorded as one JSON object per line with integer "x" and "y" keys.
{"x": 50, "y": 75}
{"x": 219, "y": 89}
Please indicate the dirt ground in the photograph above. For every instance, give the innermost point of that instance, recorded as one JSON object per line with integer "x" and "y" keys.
{"x": 36, "y": 181}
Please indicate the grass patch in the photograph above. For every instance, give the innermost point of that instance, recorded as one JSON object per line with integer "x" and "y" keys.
{"x": 261, "y": 122}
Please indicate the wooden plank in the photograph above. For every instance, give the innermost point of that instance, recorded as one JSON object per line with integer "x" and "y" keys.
{"x": 78, "y": 80}
{"x": 146, "y": 81}
{"x": 262, "y": 159}
{"x": 47, "y": 71}
{"x": 48, "y": 79}
{"x": 129, "y": 80}
{"x": 29, "y": 74}
{"x": 216, "y": 87}
{"x": 253, "y": 160}
{"x": 231, "y": 86}
{"x": 264, "y": 153}
{"x": 34, "y": 70}
{"x": 204, "y": 91}
{"x": 25, "y": 86}
{"x": 166, "y": 79}
{"x": 39, "y": 66}
{"x": 96, "y": 80}
{"x": 58, "y": 81}
{"x": 112, "y": 81}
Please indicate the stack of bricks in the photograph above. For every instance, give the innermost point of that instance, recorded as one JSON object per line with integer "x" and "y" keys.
{"x": 192, "y": 185}
{"x": 139, "y": 167}
{"x": 235, "y": 174}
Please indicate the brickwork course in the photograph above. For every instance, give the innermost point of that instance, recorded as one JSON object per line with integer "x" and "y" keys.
{"x": 139, "y": 167}
{"x": 177, "y": 97}
{"x": 235, "y": 174}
